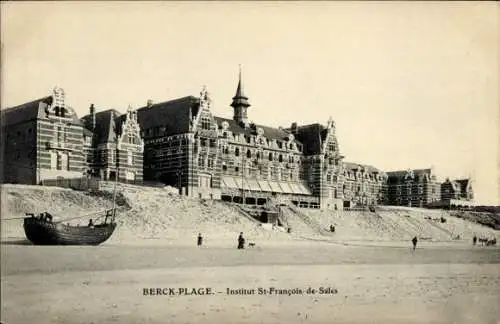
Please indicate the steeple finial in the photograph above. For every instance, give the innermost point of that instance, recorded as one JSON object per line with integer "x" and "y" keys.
{"x": 239, "y": 98}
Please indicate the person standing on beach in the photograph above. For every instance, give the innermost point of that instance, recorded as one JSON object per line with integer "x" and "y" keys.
{"x": 414, "y": 241}
{"x": 241, "y": 241}
{"x": 474, "y": 240}
{"x": 200, "y": 240}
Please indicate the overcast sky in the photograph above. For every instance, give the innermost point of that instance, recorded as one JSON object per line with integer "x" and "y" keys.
{"x": 409, "y": 85}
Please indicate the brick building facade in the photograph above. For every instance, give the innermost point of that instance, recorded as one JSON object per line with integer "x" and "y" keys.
{"x": 42, "y": 139}
{"x": 459, "y": 189}
{"x": 413, "y": 188}
{"x": 182, "y": 144}
{"x": 113, "y": 143}
{"x": 45, "y": 140}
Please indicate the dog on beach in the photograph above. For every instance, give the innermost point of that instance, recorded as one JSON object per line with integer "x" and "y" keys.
{"x": 251, "y": 244}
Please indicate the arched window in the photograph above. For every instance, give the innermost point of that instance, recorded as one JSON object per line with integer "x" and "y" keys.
{"x": 258, "y": 155}
{"x": 280, "y": 158}
{"x": 249, "y": 154}
{"x": 270, "y": 156}
{"x": 237, "y": 152}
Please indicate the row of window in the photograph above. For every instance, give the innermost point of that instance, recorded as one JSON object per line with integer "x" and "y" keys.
{"x": 163, "y": 153}
{"x": 270, "y": 156}
{"x": 111, "y": 156}
{"x": 249, "y": 139}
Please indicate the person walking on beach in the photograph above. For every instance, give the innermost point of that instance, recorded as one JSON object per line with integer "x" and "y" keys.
{"x": 474, "y": 240}
{"x": 414, "y": 241}
{"x": 200, "y": 240}
{"x": 241, "y": 241}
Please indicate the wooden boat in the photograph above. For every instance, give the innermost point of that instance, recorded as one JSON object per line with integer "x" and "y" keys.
{"x": 41, "y": 230}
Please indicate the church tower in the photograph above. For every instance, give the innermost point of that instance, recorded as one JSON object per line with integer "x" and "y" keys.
{"x": 240, "y": 104}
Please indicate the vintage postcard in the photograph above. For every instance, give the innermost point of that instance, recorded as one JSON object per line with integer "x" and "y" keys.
{"x": 250, "y": 162}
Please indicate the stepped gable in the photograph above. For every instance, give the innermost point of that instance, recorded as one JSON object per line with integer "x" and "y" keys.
{"x": 174, "y": 115}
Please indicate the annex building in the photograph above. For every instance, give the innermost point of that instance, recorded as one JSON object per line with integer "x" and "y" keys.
{"x": 44, "y": 140}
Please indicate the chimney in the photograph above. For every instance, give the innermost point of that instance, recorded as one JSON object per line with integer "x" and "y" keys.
{"x": 294, "y": 128}
{"x": 149, "y": 103}
{"x": 92, "y": 115}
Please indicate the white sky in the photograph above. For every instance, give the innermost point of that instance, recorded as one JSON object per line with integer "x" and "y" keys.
{"x": 409, "y": 85}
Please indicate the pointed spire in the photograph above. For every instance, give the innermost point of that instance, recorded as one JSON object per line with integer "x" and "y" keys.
{"x": 239, "y": 98}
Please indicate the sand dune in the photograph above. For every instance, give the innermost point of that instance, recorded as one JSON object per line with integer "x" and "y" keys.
{"x": 158, "y": 214}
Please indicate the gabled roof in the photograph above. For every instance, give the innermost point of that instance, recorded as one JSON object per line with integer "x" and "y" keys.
{"x": 30, "y": 111}
{"x": 463, "y": 184}
{"x": 312, "y": 137}
{"x": 87, "y": 132}
{"x": 25, "y": 112}
{"x": 236, "y": 128}
{"x": 106, "y": 125}
{"x": 174, "y": 115}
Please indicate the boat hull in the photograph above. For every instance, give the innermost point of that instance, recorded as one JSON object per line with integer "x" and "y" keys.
{"x": 42, "y": 232}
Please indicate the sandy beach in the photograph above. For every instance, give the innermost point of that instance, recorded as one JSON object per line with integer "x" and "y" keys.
{"x": 365, "y": 272}
{"x": 106, "y": 284}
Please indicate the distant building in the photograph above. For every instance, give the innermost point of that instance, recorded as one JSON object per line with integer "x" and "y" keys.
{"x": 363, "y": 185}
{"x": 41, "y": 139}
{"x": 457, "y": 192}
{"x": 412, "y": 188}
{"x": 112, "y": 141}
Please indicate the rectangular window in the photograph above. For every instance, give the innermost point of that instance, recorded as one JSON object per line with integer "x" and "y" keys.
{"x": 130, "y": 159}
{"x": 53, "y": 160}
{"x": 59, "y": 134}
{"x": 130, "y": 176}
{"x": 205, "y": 123}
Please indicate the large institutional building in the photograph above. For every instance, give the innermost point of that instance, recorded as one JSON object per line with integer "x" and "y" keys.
{"x": 182, "y": 144}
